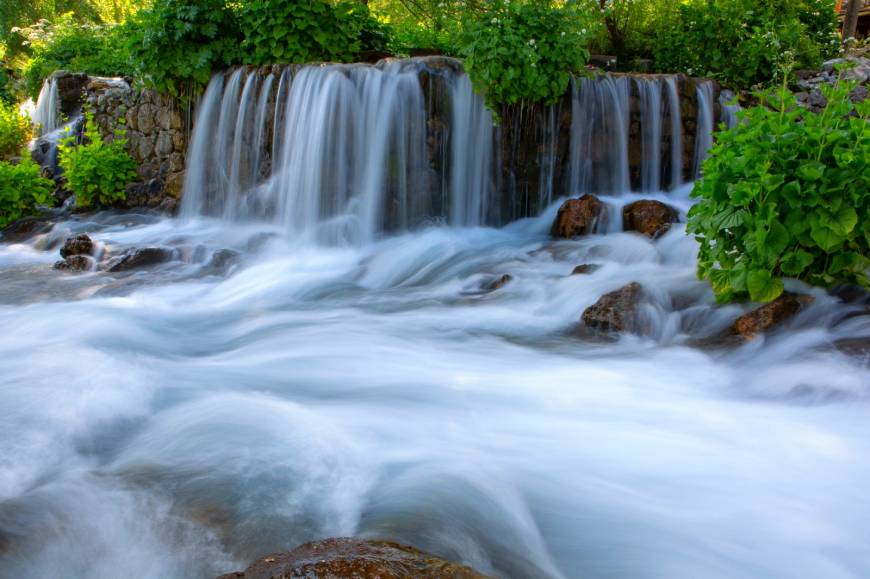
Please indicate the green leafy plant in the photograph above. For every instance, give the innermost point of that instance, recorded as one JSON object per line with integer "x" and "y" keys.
{"x": 69, "y": 45}
{"x": 177, "y": 44}
{"x": 295, "y": 31}
{"x": 743, "y": 43}
{"x": 22, "y": 190}
{"x": 786, "y": 193}
{"x": 526, "y": 51}
{"x": 14, "y": 130}
{"x": 96, "y": 171}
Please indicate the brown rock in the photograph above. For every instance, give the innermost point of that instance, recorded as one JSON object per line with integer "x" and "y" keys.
{"x": 579, "y": 217}
{"x": 74, "y": 263}
{"x": 139, "y": 258}
{"x": 354, "y": 559}
{"x": 770, "y": 315}
{"x": 615, "y": 311}
{"x": 585, "y": 268}
{"x": 499, "y": 283}
{"x": 79, "y": 245}
{"x": 651, "y": 218}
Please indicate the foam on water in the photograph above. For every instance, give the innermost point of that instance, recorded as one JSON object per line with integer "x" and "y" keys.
{"x": 179, "y": 423}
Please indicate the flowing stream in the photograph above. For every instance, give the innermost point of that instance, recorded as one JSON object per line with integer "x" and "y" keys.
{"x": 178, "y": 422}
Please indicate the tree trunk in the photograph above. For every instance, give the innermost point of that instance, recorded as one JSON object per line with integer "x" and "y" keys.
{"x": 850, "y": 23}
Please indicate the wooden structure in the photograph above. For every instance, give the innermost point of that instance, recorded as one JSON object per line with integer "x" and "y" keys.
{"x": 863, "y": 16}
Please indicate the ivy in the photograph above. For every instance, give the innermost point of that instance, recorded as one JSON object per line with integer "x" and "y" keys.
{"x": 97, "y": 172}
{"x": 786, "y": 193}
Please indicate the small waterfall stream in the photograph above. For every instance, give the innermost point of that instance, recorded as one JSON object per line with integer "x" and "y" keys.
{"x": 46, "y": 116}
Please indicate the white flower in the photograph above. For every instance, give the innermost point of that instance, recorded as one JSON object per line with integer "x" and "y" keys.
{"x": 583, "y": 31}
{"x": 532, "y": 42}
{"x": 494, "y": 20}
{"x": 563, "y": 33}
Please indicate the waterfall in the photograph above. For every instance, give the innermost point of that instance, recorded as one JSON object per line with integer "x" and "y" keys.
{"x": 676, "y": 132}
{"x": 346, "y": 153}
{"x": 650, "y": 100}
{"x": 47, "y": 114}
{"x": 704, "y": 134}
{"x": 471, "y": 155}
{"x": 729, "y": 108}
{"x": 547, "y": 157}
{"x": 599, "y": 135}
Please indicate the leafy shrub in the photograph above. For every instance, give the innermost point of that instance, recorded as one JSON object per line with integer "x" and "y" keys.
{"x": 22, "y": 189}
{"x": 97, "y": 172}
{"x": 14, "y": 130}
{"x": 786, "y": 193}
{"x": 67, "y": 45}
{"x": 290, "y": 31}
{"x": 176, "y": 44}
{"x": 745, "y": 42}
{"x": 517, "y": 51}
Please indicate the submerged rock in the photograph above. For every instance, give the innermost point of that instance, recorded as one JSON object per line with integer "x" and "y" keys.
{"x": 616, "y": 311}
{"x": 24, "y": 229}
{"x": 651, "y": 218}
{"x": 579, "y": 217}
{"x": 354, "y": 559}
{"x": 138, "y": 258}
{"x": 770, "y": 315}
{"x": 75, "y": 263}
{"x": 222, "y": 260}
{"x": 585, "y": 268}
{"x": 79, "y": 245}
{"x": 499, "y": 283}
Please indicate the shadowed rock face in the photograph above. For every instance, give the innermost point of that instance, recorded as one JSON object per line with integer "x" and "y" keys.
{"x": 651, "y": 218}
{"x": 770, "y": 315}
{"x": 138, "y": 258}
{"x": 79, "y": 245}
{"x": 578, "y": 217}
{"x": 615, "y": 311}
{"x": 354, "y": 559}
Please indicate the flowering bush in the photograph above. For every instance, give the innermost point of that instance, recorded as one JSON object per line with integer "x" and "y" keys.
{"x": 518, "y": 51}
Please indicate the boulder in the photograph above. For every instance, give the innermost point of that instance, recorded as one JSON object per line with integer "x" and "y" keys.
{"x": 585, "y": 268}
{"x": 579, "y": 217}
{"x": 81, "y": 244}
{"x": 354, "y": 559}
{"x": 768, "y": 316}
{"x": 615, "y": 311}
{"x": 139, "y": 258}
{"x": 651, "y": 218}
{"x": 75, "y": 263}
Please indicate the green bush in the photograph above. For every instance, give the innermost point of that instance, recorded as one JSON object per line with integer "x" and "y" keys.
{"x": 742, "y": 43}
{"x": 526, "y": 51}
{"x": 68, "y": 45}
{"x": 97, "y": 172}
{"x": 786, "y": 193}
{"x": 14, "y": 130}
{"x": 22, "y": 189}
{"x": 295, "y": 31}
{"x": 176, "y": 44}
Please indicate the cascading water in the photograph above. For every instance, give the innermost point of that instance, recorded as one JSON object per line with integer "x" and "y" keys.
{"x": 650, "y": 91}
{"x": 676, "y": 130}
{"x": 599, "y": 135}
{"x": 704, "y": 134}
{"x": 729, "y": 108}
{"x": 259, "y": 391}
{"x": 46, "y": 116}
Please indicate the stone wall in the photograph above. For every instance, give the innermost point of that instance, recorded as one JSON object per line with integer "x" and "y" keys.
{"x": 156, "y": 129}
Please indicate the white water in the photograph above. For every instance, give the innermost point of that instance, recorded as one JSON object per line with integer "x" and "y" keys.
{"x": 46, "y": 115}
{"x": 676, "y": 132}
{"x": 178, "y": 424}
{"x": 650, "y": 91}
{"x": 704, "y": 133}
